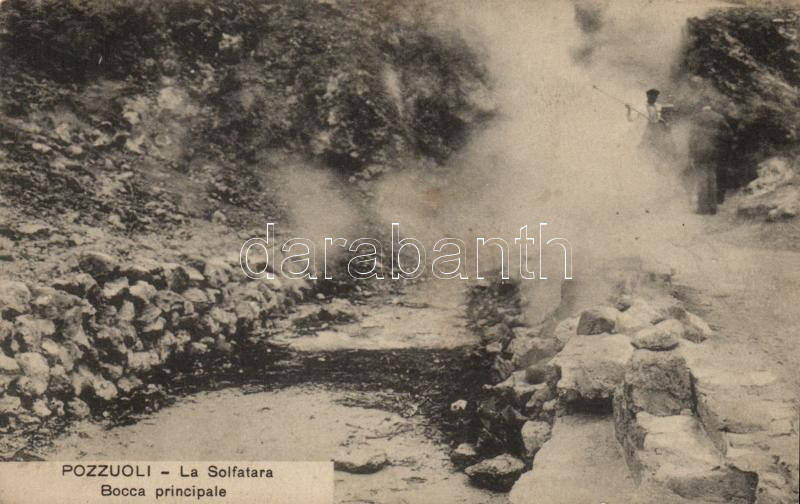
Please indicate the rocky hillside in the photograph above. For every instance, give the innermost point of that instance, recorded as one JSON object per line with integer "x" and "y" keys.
{"x": 746, "y": 61}
{"x": 114, "y": 93}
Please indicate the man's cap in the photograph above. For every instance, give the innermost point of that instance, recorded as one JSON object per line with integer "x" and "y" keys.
{"x": 653, "y": 92}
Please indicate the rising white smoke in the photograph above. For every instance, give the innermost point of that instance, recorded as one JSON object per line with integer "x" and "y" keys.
{"x": 560, "y": 152}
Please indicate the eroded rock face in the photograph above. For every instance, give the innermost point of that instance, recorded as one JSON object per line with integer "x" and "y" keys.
{"x": 498, "y": 473}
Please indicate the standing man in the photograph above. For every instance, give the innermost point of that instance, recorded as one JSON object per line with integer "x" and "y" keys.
{"x": 709, "y": 144}
{"x": 657, "y": 139}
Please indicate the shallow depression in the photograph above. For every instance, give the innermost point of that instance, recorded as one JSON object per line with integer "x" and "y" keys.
{"x": 296, "y": 423}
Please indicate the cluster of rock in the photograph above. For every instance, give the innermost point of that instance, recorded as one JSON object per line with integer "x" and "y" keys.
{"x": 685, "y": 425}
{"x": 514, "y": 419}
{"x": 691, "y": 429}
{"x": 103, "y": 332}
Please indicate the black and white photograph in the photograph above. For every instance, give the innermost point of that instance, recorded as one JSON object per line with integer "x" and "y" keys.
{"x": 399, "y": 251}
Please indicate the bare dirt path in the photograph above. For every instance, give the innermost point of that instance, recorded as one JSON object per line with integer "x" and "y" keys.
{"x": 745, "y": 279}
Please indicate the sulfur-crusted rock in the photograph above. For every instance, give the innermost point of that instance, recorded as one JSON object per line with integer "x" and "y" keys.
{"x": 115, "y": 289}
{"x": 197, "y": 348}
{"x": 464, "y": 454}
{"x": 592, "y": 366}
{"x": 494, "y": 348}
{"x": 72, "y": 330}
{"x": 98, "y": 264}
{"x": 501, "y": 369}
{"x": 146, "y": 270}
{"x": 143, "y": 362}
{"x": 81, "y": 285}
{"x": 526, "y": 351}
{"x": 225, "y": 319}
{"x": 148, "y": 314}
{"x": 498, "y": 473}
{"x": 361, "y": 462}
{"x": 34, "y": 365}
{"x": 540, "y": 373}
{"x": 15, "y": 298}
{"x": 29, "y": 331}
{"x": 599, "y": 320}
{"x": 6, "y": 332}
{"x": 775, "y": 194}
{"x": 58, "y": 354}
{"x": 217, "y": 272}
{"x": 580, "y": 464}
{"x": 695, "y": 329}
{"x": 10, "y": 405}
{"x": 112, "y": 338}
{"x": 126, "y": 312}
{"x": 40, "y": 409}
{"x": 660, "y": 337}
{"x": 78, "y": 408}
{"x": 8, "y": 366}
{"x": 566, "y": 329}
{"x": 517, "y": 389}
{"x": 31, "y": 387}
{"x": 198, "y": 298}
{"x": 52, "y": 304}
{"x": 99, "y": 387}
{"x": 659, "y": 383}
{"x": 181, "y": 277}
{"x": 247, "y": 314}
{"x": 639, "y": 315}
{"x": 60, "y": 382}
{"x": 112, "y": 371}
{"x": 154, "y": 329}
{"x": 167, "y": 345}
{"x": 534, "y": 435}
{"x": 142, "y": 292}
{"x": 128, "y": 384}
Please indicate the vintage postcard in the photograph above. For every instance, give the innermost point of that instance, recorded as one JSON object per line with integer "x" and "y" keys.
{"x": 399, "y": 251}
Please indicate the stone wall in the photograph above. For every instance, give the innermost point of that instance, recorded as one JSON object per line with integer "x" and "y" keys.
{"x": 110, "y": 331}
